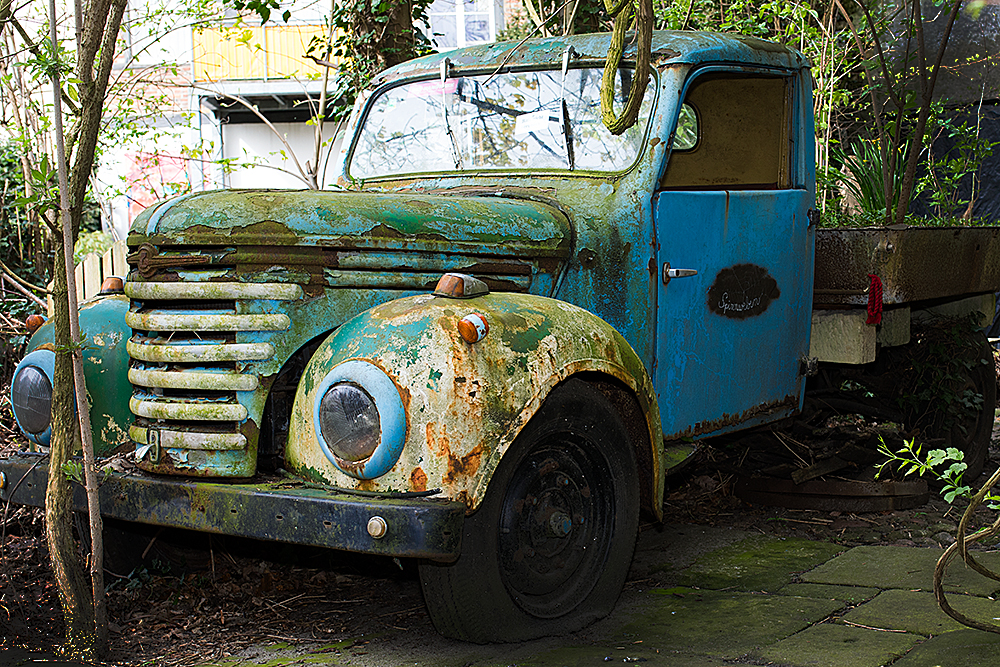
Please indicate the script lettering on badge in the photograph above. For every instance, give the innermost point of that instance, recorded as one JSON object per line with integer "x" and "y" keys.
{"x": 742, "y": 291}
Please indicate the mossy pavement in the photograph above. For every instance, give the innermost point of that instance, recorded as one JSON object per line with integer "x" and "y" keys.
{"x": 699, "y": 596}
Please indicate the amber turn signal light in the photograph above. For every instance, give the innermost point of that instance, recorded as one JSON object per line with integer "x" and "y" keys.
{"x": 473, "y": 328}
{"x": 113, "y": 285}
{"x": 460, "y": 286}
{"x": 34, "y": 322}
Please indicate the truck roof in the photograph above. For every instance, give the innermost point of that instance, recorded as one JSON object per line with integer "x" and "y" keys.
{"x": 669, "y": 48}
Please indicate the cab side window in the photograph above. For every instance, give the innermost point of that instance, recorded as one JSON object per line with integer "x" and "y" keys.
{"x": 734, "y": 132}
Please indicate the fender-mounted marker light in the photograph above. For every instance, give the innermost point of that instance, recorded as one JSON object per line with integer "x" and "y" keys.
{"x": 113, "y": 285}
{"x": 473, "y": 328}
{"x": 34, "y": 322}
{"x": 460, "y": 286}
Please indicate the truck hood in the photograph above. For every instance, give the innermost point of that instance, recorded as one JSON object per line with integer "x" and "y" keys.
{"x": 427, "y": 223}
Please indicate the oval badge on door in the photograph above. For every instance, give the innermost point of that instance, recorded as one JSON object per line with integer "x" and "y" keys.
{"x": 742, "y": 291}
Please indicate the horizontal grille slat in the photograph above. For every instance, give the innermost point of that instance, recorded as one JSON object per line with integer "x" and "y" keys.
{"x": 191, "y": 440}
{"x": 407, "y": 280}
{"x": 191, "y": 379}
{"x": 187, "y": 410}
{"x": 214, "y": 291}
{"x": 208, "y": 322}
{"x": 169, "y": 352}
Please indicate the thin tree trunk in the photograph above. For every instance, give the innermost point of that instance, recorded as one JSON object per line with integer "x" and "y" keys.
{"x": 74, "y": 589}
{"x": 927, "y": 84}
{"x": 85, "y": 612}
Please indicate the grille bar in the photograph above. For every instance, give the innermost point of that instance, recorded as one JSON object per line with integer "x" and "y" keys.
{"x": 207, "y": 322}
{"x": 214, "y": 291}
{"x": 191, "y": 440}
{"x": 192, "y": 352}
{"x": 186, "y": 410}
{"x": 192, "y": 379}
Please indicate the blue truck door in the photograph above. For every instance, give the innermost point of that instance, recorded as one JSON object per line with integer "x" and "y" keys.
{"x": 731, "y": 337}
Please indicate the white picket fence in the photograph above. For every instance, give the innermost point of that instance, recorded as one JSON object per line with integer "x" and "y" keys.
{"x": 94, "y": 268}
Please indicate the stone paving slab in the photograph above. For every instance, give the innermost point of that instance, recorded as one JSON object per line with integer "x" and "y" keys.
{"x": 757, "y": 563}
{"x": 723, "y": 624}
{"x": 754, "y": 600}
{"x": 919, "y": 612}
{"x": 849, "y": 594}
{"x": 835, "y": 645}
{"x": 587, "y": 656}
{"x": 907, "y": 568}
{"x": 962, "y": 648}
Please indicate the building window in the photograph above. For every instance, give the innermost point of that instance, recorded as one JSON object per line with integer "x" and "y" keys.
{"x": 457, "y": 23}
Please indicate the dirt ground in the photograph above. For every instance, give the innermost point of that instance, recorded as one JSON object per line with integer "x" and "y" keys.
{"x": 236, "y": 593}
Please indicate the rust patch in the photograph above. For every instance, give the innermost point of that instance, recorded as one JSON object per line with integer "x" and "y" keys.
{"x": 437, "y": 445}
{"x": 418, "y": 480}
{"x": 742, "y": 291}
{"x": 712, "y": 425}
{"x": 465, "y": 466}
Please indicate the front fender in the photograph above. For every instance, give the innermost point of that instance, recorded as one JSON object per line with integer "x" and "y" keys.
{"x": 105, "y": 369}
{"x": 464, "y": 403}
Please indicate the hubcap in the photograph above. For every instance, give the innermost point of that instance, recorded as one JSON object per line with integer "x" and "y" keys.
{"x": 555, "y": 526}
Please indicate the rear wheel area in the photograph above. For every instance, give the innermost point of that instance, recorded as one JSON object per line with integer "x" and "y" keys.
{"x": 967, "y": 421}
{"x": 548, "y": 550}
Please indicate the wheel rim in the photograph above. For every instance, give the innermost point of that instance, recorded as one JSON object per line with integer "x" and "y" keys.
{"x": 555, "y": 525}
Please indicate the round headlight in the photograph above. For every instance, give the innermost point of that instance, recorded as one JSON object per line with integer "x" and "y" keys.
{"x": 359, "y": 419}
{"x": 31, "y": 397}
{"x": 349, "y": 422}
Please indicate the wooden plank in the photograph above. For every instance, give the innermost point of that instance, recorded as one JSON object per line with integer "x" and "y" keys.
{"x": 824, "y": 467}
{"x": 92, "y": 278}
{"x": 119, "y": 265}
{"x": 842, "y": 487}
{"x": 832, "y": 503}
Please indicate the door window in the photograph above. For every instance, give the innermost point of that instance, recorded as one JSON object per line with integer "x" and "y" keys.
{"x": 733, "y": 132}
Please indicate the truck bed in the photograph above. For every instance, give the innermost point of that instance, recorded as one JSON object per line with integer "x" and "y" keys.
{"x": 915, "y": 264}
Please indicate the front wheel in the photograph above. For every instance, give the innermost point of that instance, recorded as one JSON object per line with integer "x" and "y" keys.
{"x": 548, "y": 550}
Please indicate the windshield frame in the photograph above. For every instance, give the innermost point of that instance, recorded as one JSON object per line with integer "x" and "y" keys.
{"x": 653, "y": 98}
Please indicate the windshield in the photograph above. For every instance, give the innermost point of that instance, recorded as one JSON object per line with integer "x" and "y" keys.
{"x": 516, "y": 120}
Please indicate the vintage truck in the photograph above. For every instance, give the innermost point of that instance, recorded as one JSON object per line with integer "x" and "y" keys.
{"x": 488, "y": 346}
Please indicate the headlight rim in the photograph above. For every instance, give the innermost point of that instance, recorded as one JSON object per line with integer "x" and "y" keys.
{"x": 392, "y": 417}
{"x": 44, "y": 361}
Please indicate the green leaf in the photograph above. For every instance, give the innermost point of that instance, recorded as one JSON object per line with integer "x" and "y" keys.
{"x": 73, "y": 471}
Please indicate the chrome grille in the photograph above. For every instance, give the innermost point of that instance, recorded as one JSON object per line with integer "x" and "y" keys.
{"x": 186, "y": 362}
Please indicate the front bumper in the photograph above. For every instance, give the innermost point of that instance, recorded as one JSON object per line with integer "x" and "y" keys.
{"x": 282, "y": 510}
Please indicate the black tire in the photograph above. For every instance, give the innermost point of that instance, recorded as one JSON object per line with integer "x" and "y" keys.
{"x": 548, "y": 550}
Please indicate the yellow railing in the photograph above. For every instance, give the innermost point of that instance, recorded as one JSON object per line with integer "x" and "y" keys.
{"x": 271, "y": 52}
{"x": 94, "y": 268}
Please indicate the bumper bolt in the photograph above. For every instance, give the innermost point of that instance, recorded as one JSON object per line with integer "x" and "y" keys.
{"x": 377, "y": 527}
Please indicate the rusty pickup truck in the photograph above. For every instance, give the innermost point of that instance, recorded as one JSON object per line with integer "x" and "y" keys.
{"x": 491, "y": 341}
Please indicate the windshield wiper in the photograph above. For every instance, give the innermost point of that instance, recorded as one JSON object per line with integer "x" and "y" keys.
{"x": 567, "y": 128}
{"x": 455, "y": 152}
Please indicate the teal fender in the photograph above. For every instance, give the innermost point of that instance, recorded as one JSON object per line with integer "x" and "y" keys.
{"x": 105, "y": 369}
{"x": 449, "y": 409}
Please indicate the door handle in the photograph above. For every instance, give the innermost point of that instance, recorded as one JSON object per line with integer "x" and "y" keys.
{"x": 669, "y": 273}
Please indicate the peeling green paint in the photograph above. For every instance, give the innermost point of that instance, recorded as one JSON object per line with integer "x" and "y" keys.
{"x": 456, "y": 437}
{"x": 434, "y": 376}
